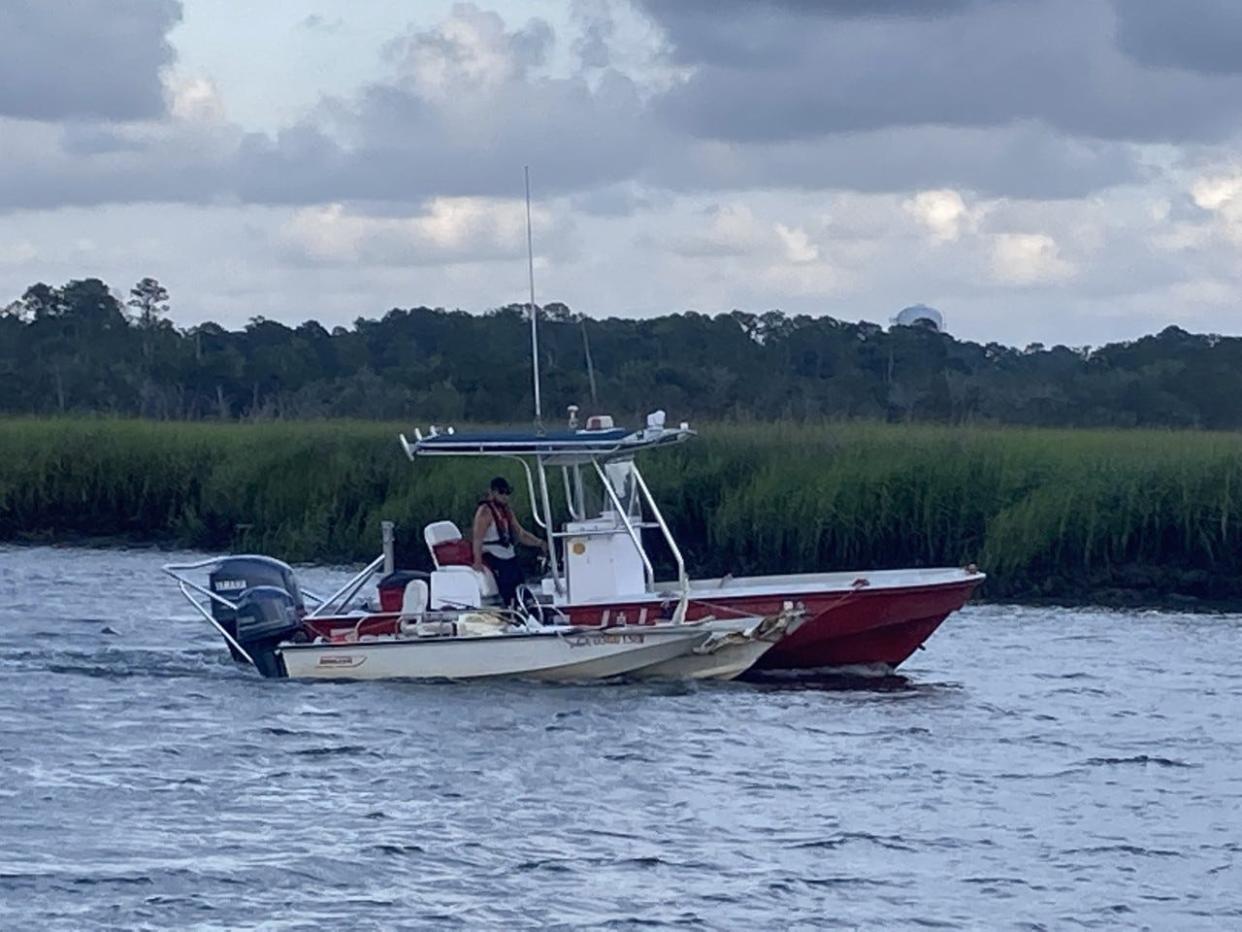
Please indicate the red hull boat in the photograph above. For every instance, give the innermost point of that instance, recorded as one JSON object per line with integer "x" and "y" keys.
{"x": 877, "y": 620}
{"x": 600, "y": 573}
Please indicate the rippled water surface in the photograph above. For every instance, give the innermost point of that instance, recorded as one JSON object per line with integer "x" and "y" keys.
{"x": 1035, "y": 768}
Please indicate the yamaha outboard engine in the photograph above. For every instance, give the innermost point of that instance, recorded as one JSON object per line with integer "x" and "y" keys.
{"x": 269, "y": 607}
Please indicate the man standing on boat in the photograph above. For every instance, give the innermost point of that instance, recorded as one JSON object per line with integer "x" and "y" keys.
{"x": 496, "y": 530}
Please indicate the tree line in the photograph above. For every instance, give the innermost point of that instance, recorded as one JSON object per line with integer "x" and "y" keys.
{"x": 81, "y": 348}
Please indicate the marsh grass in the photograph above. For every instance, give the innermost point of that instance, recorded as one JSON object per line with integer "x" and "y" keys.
{"x": 1048, "y": 513}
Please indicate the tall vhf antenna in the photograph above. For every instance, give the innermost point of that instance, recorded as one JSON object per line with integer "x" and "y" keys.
{"x": 534, "y": 312}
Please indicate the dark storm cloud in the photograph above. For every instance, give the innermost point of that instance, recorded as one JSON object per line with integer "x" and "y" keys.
{"x": 759, "y": 76}
{"x": 84, "y": 58}
{"x": 1196, "y": 35}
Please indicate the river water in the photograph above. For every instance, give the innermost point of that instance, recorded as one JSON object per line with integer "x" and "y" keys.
{"x": 1033, "y": 768}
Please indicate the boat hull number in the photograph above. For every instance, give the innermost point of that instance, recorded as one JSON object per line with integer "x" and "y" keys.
{"x": 594, "y": 640}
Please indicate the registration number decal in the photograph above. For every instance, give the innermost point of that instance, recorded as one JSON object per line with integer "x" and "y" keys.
{"x": 345, "y": 660}
{"x": 594, "y": 640}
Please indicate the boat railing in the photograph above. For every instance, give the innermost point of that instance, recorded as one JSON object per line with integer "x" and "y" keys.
{"x": 635, "y": 537}
{"x": 186, "y": 585}
{"x": 530, "y": 487}
{"x": 176, "y": 569}
{"x": 549, "y": 526}
{"x": 573, "y": 502}
{"x": 349, "y": 590}
{"x": 682, "y": 577}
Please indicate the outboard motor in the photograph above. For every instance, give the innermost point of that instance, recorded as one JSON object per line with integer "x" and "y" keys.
{"x": 267, "y": 615}
{"x": 269, "y": 607}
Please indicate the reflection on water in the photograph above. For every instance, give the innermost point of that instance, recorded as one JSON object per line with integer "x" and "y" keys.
{"x": 1033, "y": 768}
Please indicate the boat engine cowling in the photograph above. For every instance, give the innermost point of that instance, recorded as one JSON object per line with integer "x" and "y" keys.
{"x": 266, "y": 615}
{"x": 264, "y": 591}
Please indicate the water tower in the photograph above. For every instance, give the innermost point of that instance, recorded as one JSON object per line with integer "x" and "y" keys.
{"x": 920, "y": 315}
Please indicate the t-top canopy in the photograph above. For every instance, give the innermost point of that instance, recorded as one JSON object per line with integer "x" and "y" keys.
{"x": 561, "y": 446}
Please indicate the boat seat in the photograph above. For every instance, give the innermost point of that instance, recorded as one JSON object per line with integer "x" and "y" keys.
{"x": 463, "y": 586}
{"x": 484, "y": 580}
{"x": 413, "y": 607}
{"x": 455, "y": 588}
{"x": 446, "y": 544}
{"x": 414, "y": 601}
{"x": 441, "y": 536}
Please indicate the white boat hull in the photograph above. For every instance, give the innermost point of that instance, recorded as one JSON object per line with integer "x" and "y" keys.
{"x": 728, "y": 663}
{"x": 731, "y": 648}
{"x": 549, "y": 656}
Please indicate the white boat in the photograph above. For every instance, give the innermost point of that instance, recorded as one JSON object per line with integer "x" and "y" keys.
{"x": 557, "y": 654}
{"x": 257, "y": 605}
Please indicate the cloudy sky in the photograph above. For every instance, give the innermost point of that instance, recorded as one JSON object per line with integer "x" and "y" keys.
{"x": 1040, "y": 170}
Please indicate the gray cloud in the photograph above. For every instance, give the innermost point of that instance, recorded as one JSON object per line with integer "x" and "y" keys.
{"x": 617, "y": 200}
{"x": 596, "y": 30}
{"x": 316, "y": 23}
{"x": 45, "y": 165}
{"x": 466, "y": 106}
{"x": 518, "y": 50}
{"x": 1020, "y": 160}
{"x": 404, "y": 140}
{"x": 460, "y": 116}
{"x": 391, "y": 144}
{"x": 84, "y": 58}
{"x": 1197, "y": 35}
{"x": 762, "y": 77}
{"x": 754, "y": 32}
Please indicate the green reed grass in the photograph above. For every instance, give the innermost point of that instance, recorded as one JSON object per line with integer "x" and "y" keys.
{"x": 1048, "y": 513}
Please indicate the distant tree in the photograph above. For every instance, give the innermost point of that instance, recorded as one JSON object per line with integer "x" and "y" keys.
{"x": 90, "y": 302}
{"x": 150, "y": 299}
{"x": 81, "y": 348}
{"x": 43, "y": 301}
{"x": 555, "y": 310}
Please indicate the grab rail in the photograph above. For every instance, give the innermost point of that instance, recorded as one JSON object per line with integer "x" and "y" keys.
{"x": 350, "y": 589}
{"x": 625, "y": 519}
